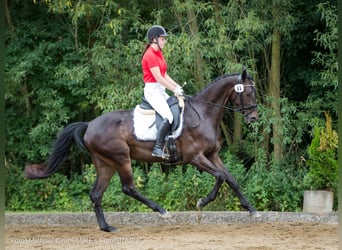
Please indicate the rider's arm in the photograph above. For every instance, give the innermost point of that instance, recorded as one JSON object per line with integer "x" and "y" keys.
{"x": 166, "y": 81}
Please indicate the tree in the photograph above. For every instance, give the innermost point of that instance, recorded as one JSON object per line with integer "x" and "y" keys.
{"x": 278, "y": 15}
{"x": 323, "y": 94}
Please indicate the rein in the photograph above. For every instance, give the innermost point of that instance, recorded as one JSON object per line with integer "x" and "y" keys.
{"x": 214, "y": 104}
{"x": 240, "y": 109}
{"x": 239, "y": 89}
{"x": 243, "y": 109}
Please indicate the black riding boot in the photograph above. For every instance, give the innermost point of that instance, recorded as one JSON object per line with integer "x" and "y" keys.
{"x": 163, "y": 131}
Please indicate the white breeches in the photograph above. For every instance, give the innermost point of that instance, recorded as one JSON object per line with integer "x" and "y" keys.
{"x": 155, "y": 94}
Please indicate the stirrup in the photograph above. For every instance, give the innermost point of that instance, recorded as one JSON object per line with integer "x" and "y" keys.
{"x": 165, "y": 154}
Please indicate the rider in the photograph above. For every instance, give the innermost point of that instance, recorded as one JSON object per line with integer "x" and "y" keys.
{"x": 156, "y": 81}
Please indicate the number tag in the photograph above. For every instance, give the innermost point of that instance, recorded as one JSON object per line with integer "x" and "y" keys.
{"x": 239, "y": 88}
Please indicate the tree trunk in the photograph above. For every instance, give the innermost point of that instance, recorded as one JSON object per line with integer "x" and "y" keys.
{"x": 226, "y": 134}
{"x": 237, "y": 127}
{"x": 274, "y": 92}
{"x": 8, "y": 17}
{"x": 198, "y": 60}
{"x": 24, "y": 88}
{"x": 26, "y": 94}
{"x": 237, "y": 134}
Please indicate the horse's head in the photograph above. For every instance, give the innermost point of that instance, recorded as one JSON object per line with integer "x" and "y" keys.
{"x": 244, "y": 97}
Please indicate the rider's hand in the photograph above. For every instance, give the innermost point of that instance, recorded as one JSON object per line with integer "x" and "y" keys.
{"x": 179, "y": 91}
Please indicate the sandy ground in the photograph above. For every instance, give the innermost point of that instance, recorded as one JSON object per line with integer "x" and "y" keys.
{"x": 272, "y": 235}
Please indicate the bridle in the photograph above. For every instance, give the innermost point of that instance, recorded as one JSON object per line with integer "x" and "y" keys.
{"x": 239, "y": 89}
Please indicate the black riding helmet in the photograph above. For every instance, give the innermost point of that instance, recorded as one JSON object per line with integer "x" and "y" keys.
{"x": 154, "y": 32}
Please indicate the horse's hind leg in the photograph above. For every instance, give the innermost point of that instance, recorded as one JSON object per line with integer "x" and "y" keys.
{"x": 202, "y": 163}
{"x": 212, "y": 195}
{"x": 104, "y": 175}
{"x": 128, "y": 187}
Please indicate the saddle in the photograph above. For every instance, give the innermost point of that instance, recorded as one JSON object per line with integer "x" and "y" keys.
{"x": 176, "y": 105}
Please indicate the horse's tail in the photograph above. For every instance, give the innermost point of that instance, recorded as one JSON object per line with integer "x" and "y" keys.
{"x": 71, "y": 133}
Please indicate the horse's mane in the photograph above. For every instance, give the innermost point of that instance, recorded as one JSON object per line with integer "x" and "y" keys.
{"x": 216, "y": 80}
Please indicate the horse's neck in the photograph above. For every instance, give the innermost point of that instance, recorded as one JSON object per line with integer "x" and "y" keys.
{"x": 212, "y": 100}
{"x": 217, "y": 92}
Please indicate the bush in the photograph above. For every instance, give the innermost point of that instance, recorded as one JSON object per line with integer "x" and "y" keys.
{"x": 277, "y": 188}
{"x": 322, "y": 161}
{"x": 58, "y": 193}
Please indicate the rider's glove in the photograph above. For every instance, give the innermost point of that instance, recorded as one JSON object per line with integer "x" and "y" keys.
{"x": 179, "y": 91}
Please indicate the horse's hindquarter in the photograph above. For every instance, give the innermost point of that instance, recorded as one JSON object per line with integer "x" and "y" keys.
{"x": 112, "y": 134}
{"x": 109, "y": 131}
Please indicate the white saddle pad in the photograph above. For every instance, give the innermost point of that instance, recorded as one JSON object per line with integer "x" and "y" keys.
{"x": 144, "y": 124}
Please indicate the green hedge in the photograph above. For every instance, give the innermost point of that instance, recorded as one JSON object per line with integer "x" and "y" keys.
{"x": 278, "y": 188}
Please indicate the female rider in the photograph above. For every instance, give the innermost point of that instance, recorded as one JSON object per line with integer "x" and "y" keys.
{"x": 156, "y": 80}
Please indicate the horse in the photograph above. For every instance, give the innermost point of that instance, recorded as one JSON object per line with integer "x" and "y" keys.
{"x": 110, "y": 141}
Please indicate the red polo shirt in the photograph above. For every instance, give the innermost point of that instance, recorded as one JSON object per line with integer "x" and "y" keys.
{"x": 153, "y": 58}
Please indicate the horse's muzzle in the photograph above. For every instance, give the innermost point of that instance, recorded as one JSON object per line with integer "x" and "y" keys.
{"x": 252, "y": 116}
{"x": 251, "y": 119}
{"x": 250, "y": 113}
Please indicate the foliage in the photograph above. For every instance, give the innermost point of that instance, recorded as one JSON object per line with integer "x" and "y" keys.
{"x": 276, "y": 188}
{"x": 322, "y": 159}
{"x": 328, "y": 40}
{"x": 267, "y": 189}
{"x": 56, "y": 194}
{"x": 323, "y": 94}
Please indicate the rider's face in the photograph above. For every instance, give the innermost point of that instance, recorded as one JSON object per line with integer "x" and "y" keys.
{"x": 162, "y": 40}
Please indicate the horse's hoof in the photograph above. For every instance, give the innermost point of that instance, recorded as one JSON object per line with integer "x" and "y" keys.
{"x": 255, "y": 214}
{"x": 199, "y": 204}
{"x": 110, "y": 229}
{"x": 165, "y": 215}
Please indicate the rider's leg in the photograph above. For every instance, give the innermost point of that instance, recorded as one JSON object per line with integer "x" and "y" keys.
{"x": 163, "y": 131}
{"x": 155, "y": 94}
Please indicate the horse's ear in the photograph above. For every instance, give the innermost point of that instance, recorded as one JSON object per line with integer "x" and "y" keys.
{"x": 244, "y": 73}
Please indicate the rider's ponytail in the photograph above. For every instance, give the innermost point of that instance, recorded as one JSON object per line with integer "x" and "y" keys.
{"x": 146, "y": 48}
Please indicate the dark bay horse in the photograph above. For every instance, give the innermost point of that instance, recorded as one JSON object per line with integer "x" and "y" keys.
{"x": 111, "y": 143}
